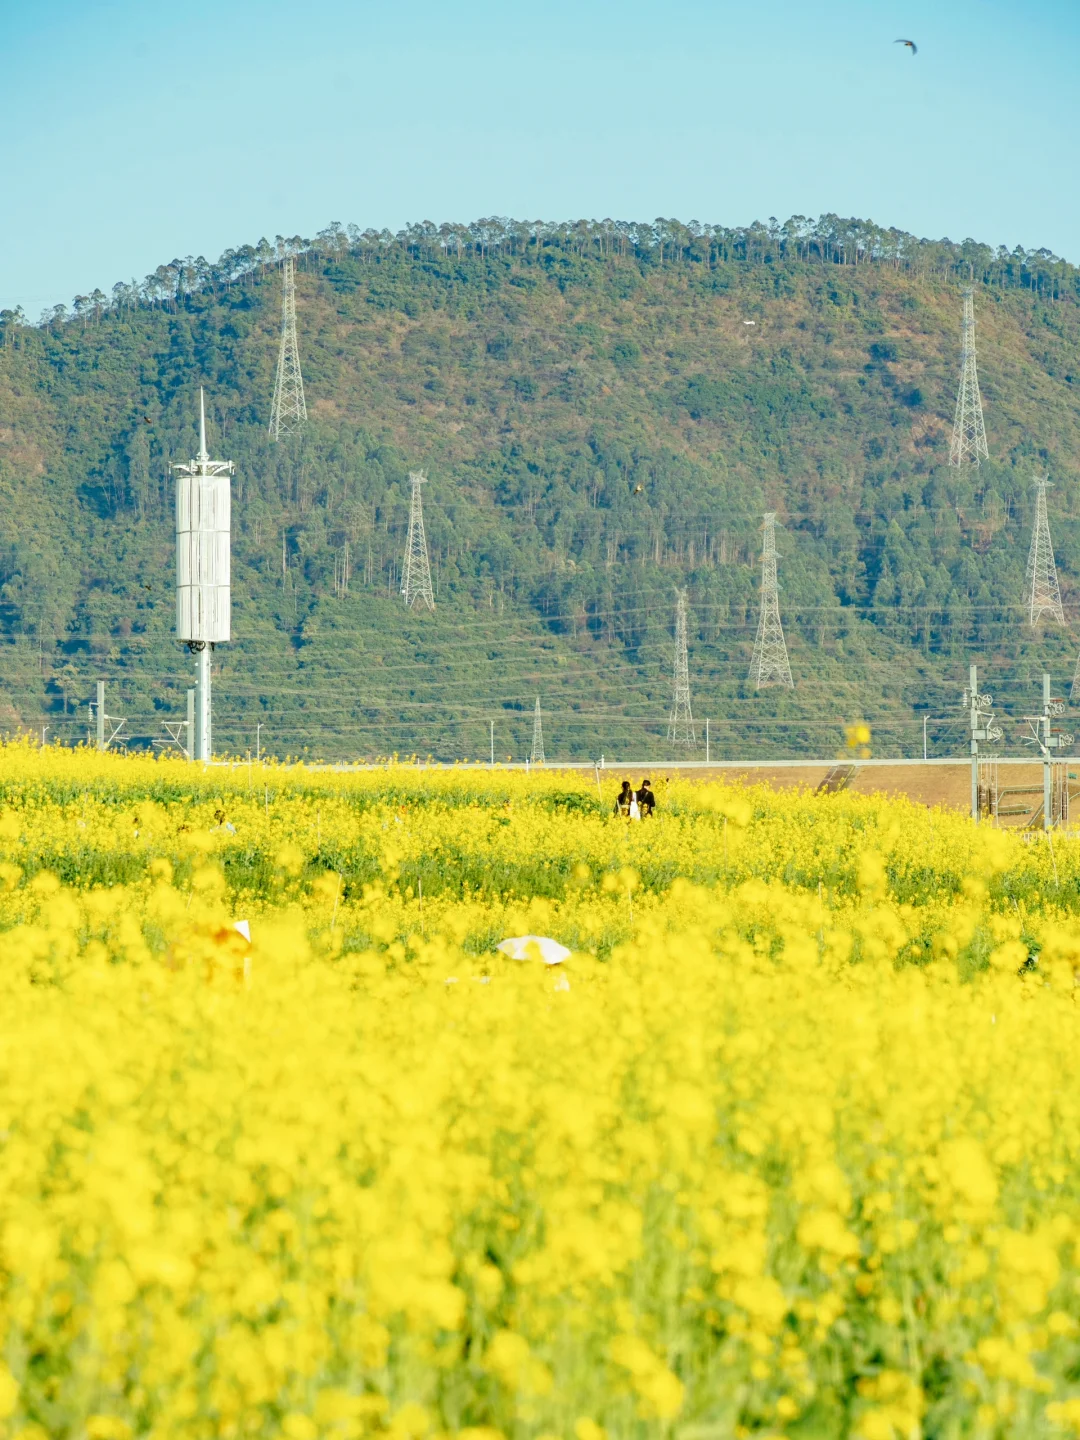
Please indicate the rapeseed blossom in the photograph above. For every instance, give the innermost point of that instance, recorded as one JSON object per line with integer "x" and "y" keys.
{"x": 793, "y": 1152}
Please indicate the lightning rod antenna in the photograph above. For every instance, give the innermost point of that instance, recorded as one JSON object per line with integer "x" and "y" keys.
{"x": 288, "y": 411}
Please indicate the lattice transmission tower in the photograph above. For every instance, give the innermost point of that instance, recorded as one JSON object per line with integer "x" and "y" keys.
{"x": 416, "y": 573}
{"x": 1043, "y": 596}
{"x": 969, "y": 432}
{"x": 288, "y": 411}
{"x": 537, "y": 756}
{"x": 770, "y": 664}
{"x": 681, "y": 721}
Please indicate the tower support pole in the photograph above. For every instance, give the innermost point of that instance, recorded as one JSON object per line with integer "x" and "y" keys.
{"x": 973, "y": 691}
{"x": 189, "y": 734}
{"x": 203, "y": 737}
{"x": 1047, "y": 773}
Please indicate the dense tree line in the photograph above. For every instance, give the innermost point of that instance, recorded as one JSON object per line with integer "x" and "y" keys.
{"x": 828, "y": 240}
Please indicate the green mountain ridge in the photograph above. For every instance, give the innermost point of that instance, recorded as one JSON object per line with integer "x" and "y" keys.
{"x": 600, "y": 425}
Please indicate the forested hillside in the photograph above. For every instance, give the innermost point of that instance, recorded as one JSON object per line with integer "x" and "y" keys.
{"x": 604, "y": 412}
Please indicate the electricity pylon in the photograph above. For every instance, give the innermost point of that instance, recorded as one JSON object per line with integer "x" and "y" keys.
{"x": 969, "y": 432}
{"x": 1043, "y": 592}
{"x": 288, "y": 412}
{"x": 681, "y": 722}
{"x": 770, "y": 664}
{"x": 416, "y": 574}
{"x": 537, "y": 756}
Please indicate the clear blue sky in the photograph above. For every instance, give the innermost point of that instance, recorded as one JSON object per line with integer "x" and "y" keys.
{"x": 132, "y": 132}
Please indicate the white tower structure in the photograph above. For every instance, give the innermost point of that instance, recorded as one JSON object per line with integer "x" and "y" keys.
{"x": 203, "y": 598}
{"x": 537, "y": 756}
{"x": 681, "y": 720}
{"x": 288, "y": 412}
{"x": 1043, "y": 594}
{"x": 770, "y": 664}
{"x": 416, "y": 574}
{"x": 969, "y": 432}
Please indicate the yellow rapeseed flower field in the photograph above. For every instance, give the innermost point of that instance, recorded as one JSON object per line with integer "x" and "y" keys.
{"x": 788, "y": 1147}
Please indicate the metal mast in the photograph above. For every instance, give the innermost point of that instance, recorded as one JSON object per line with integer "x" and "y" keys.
{"x": 203, "y": 593}
{"x": 681, "y": 721}
{"x": 1043, "y": 595}
{"x": 969, "y": 432}
{"x": 416, "y": 576}
{"x": 1048, "y": 737}
{"x": 770, "y": 664}
{"x": 537, "y": 756}
{"x": 982, "y": 727}
{"x": 288, "y": 412}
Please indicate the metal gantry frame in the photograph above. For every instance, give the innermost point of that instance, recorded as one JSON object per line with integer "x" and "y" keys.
{"x": 982, "y": 730}
{"x": 108, "y": 728}
{"x": 1048, "y": 738}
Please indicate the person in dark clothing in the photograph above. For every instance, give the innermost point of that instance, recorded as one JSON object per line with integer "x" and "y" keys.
{"x": 646, "y": 800}
{"x": 623, "y": 799}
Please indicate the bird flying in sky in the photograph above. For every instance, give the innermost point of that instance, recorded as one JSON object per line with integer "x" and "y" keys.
{"x": 910, "y": 44}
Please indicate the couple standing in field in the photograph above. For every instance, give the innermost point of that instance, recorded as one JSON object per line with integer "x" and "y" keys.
{"x": 635, "y": 804}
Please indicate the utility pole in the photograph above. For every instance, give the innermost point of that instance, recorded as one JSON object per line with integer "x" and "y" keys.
{"x": 536, "y": 757}
{"x": 770, "y": 665}
{"x": 980, "y": 718}
{"x": 100, "y": 716}
{"x": 969, "y": 432}
{"x": 203, "y": 582}
{"x": 416, "y": 574}
{"x": 1043, "y": 594}
{"x": 492, "y": 724}
{"x": 1048, "y": 738}
{"x": 288, "y": 410}
{"x": 681, "y": 720}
